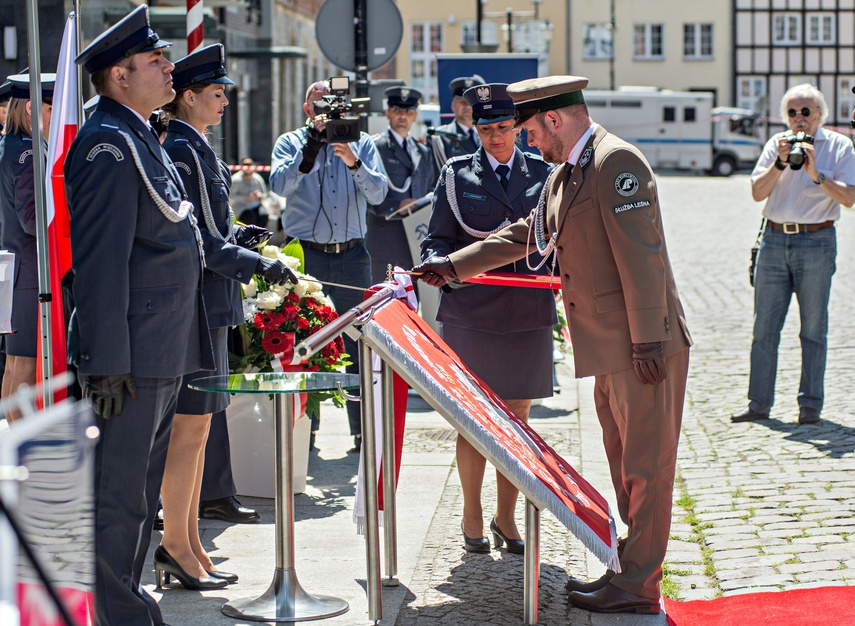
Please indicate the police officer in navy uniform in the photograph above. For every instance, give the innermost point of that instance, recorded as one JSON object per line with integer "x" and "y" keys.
{"x": 18, "y": 229}
{"x": 199, "y": 81}
{"x": 5, "y": 95}
{"x": 412, "y": 175}
{"x": 458, "y": 136}
{"x": 139, "y": 322}
{"x": 498, "y": 332}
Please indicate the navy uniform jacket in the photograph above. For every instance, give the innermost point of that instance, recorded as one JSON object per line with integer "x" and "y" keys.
{"x": 445, "y": 148}
{"x": 18, "y": 208}
{"x": 226, "y": 263}
{"x": 137, "y": 275}
{"x": 484, "y": 205}
{"x": 386, "y": 240}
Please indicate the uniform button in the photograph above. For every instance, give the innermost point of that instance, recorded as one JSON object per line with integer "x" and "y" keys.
{"x": 239, "y": 275}
{"x": 149, "y": 305}
{"x": 566, "y": 276}
{"x": 572, "y": 306}
{"x": 85, "y": 356}
{"x": 561, "y": 248}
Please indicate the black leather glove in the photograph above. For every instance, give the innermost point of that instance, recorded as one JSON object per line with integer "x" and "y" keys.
{"x": 275, "y": 271}
{"x": 648, "y": 362}
{"x": 436, "y": 271}
{"x": 310, "y": 151}
{"x": 106, "y": 393}
{"x": 251, "y": 236}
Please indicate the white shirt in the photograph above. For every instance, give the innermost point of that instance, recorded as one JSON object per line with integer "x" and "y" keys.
{"x": 795, "y": 198}
{"x": 576, "y": 152}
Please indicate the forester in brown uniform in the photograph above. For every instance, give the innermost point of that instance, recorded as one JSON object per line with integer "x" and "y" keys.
{"x": 600, "y": 214}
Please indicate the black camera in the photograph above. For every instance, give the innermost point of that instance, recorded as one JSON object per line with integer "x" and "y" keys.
{"x": 341, "y": 127}
{"x": 797, "y": 155}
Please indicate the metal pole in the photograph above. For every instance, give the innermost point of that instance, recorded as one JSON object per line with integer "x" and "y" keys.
{"x": 612, "y": 27}
{"x": 479, "y": 16}
{"x": 510, "y": 30}
{"x": 369, "y": 483}
{"x": 531, "y": 567}
{"x": 42, "y": 252}
{"x": 79, "y": 31}
{"x": 360, "y": 24}
{"x": 390, "y": 514}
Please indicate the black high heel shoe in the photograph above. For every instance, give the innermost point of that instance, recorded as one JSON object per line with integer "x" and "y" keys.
{"x": 229, "y": 578}
{"x": 515, "y": 546}
{"x": 478, "y": 544}
{"x": 165, "y": 567}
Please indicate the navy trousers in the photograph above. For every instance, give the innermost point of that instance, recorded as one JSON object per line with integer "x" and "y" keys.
{"x": 217, "y": 479}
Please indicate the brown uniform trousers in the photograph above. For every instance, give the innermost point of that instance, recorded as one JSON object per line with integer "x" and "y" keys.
{"x": 618, "y": 289}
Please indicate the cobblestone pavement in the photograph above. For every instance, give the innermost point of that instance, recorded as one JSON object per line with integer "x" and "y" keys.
{"x": 757, "y": 506}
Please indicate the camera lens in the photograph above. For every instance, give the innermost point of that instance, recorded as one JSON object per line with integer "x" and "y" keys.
{"x": 341, "y": 131}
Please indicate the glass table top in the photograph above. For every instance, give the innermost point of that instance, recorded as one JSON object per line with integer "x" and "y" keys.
{"x": 276, "y": 382}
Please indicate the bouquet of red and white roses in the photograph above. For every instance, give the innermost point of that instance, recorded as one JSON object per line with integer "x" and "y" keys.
{"x": 278, "y": 317}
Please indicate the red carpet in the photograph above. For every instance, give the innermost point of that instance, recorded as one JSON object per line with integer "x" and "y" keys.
{"x": 821, "y": 606}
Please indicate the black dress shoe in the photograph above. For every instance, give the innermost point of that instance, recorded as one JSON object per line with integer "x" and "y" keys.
{"x": 158, "y": 517}
{"x": 611, "y": 599}
{"x": 165, "y": 567}
{"x": 749, "y": 415}
{"x": 228, "y": 510}
{"x": 226, "y": 576}
{"x": 582, "y": 586}
{"x": 808, "y": 415}
{"x": 515, "y": 546}
{"x": 476, "y": 544}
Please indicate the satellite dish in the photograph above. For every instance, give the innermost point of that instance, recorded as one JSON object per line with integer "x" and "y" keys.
{"x": 334, "y": 31}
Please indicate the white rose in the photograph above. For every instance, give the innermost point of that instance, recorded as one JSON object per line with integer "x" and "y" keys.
{"x": 301, "y": 289}
{"x": 250, "y": 289}
{"x": 292, "y": 262}
{"x": 271, "y": 252}
{"x": 312, "y": 286}
{"x": 281, "y": 290}
{"x": 269, "y": 300}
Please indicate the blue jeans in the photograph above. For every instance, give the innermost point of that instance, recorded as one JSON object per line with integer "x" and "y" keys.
{"x": 351, "y": 267}
{"x": 800, "y": 264}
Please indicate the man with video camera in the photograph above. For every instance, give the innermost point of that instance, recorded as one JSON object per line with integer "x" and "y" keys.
{"x": 804, "y": 174}
{"x": 329, "y": 172}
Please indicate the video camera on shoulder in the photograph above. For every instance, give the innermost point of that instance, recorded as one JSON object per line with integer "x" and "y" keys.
{"x": 797, "y": 155}
{"x": 341, "y": 111}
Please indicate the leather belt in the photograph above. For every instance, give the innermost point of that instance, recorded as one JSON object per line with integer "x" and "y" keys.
{"x": 335, "y": 248}
{"x": 790, "y": 228}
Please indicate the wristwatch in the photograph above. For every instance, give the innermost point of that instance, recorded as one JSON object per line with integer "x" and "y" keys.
{"x": 780, "y": 164}
{"x": 355, "y": 166}
{"x": 819, "y": 180}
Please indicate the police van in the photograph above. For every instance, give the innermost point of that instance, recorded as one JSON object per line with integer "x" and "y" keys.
{"x": 680, "y": 129}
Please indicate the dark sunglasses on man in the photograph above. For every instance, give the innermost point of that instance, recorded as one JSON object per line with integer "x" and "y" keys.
{"x": 804, "y": 111}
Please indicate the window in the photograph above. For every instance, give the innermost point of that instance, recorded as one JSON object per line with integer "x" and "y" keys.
{"x": 752, "y": 94}
{"x": 698, "y": 41}
{"x": 469, "y": 31}
{"x": 426, "y": 39}
{"x": 596, "y": 42}
{"x": 821, "y": 29}
{"x": 690, "y": 114}
{"x": 647, "y": 41}
{"x": 787, "y": 29}
{"x": 845, "y": 99}
{"x": 531, "y": 36}
{"x": 669, "y": 114}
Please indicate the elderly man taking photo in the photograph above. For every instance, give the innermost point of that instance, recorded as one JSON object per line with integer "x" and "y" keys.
{"x": 804, "y": 174}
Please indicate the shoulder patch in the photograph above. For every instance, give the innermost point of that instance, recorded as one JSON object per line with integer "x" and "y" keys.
{"x": 105, "y": 147}
{"x": 26, "y": 154}
{"x": 626, "y": 184}
{"x": 183, "y": 166}
{"x": 586, "y": 157}
{"x": 638, "y": 204}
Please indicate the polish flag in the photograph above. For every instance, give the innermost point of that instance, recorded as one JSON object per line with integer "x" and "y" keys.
{"x": 63, "y": 129}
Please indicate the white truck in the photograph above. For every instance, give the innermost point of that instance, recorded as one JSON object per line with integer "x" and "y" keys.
{"x": 680, "y": 129}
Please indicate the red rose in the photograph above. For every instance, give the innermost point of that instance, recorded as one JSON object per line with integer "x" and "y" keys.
{"x": 302, "y": 323}
{"x": 290, "y": 313}
{"x": 293, "y": 297}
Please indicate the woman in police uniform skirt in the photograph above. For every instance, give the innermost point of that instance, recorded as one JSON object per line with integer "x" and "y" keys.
{"x": 18, "y": 221}
{"x": 199, "y": 81}
{"x": 503, "y": 334}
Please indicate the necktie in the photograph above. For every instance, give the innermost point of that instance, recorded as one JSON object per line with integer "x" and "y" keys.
{"x": 502, "y": 171}
{"x": 472, "y": 136}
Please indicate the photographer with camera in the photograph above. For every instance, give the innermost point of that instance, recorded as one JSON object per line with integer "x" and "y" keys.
{"x": 329, "y": 172}
{"x": 804, "y": 174}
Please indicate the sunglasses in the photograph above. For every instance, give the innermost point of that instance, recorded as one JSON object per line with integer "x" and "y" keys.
{"x": 804, "y": 111}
